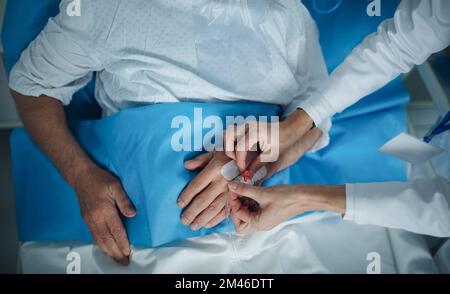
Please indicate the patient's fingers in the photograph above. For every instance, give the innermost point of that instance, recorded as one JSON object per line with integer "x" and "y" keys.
{"x": 123, "y": 202}
{"x": 197, "y": 185}
{"x": 106, "y": 242}
{"x": 114, "y": 250}
{"x": 210, "y": 212}
{"x": 202, "y": 201}
{"x": 117, "y": 230}
{"x": 198, "y": 162}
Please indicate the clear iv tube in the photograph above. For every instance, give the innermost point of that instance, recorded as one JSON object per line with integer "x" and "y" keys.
{"x": 326, "y": 11}
{"x": 231, "y": 234}
{"x": 231, "y": 172}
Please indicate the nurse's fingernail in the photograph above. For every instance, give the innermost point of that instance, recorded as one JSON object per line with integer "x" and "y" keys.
{"x": 195, "y": 227}
{"x": 180, "y": 204}
{"x": 233, "y": 185}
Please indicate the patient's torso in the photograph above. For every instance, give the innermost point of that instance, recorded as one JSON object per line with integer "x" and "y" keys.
{"x": 170, "y": 51}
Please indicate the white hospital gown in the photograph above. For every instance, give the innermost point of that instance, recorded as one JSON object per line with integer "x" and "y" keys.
{"x": 161, "y": 51}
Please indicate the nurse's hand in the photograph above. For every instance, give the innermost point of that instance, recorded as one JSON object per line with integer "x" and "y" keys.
{"x": 101, "y": 197}
{"x": 280, "y": 203}
{"x": 240, "y": 141}
{"x": 293, "y": 154}
{"x": 205, "y": 198}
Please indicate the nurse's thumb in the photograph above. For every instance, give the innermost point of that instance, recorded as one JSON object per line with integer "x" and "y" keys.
{"x": 255, "y": 193}
{"x": 123, "y": 202}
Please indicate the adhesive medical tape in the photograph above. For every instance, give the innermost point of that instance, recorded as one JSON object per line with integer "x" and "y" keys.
{"x": 230, "y": 172}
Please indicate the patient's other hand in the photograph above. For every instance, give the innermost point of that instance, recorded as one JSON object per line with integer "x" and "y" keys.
{"x": 101, "y": 195}
{"x": 205, "y": 198}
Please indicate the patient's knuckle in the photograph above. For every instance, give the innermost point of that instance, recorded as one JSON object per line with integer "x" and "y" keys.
{"x": 104, "y": 191}
{"x": 99, "y": 213}
{"x": 123, "y": 200}
{"x": 213, "y": 207}
{"x": 108, "y": 239}
{"x": 194, "y": 212}
{"x": 117, "y": 231}
{"x": 201, "y": 202}
{"x": 115, "y": 186}
{"x": 196, "y": 186}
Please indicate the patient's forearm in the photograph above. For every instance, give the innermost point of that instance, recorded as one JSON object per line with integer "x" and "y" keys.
{"x": 99, "y": 192}
{"x": 45, "y": 121}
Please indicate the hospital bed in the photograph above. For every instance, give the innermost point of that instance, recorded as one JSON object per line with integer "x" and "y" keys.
{"x": 317, "y": 243}
{"x": 323, "y": 246}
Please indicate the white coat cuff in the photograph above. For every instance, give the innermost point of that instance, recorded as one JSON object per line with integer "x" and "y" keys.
{"x": 318, "y": 109}
{"x": 350, "y": 213}
{"x": 325, "y": 126}
{"x": 324, "y": 140}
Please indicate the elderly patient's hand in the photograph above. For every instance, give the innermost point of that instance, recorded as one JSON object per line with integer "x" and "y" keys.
{"x": 205, "y": 197}
{"x": 101, "y": 195}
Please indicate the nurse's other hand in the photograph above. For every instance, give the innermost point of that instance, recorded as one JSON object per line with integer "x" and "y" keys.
{"x": 280, "y": 203}
{"x": 293, "y": 154}
{"x": 276, "y": 205}
{"x": 101, "y": 195}
{"x": 205, "y": 198}
{"x": 240, "y": 141}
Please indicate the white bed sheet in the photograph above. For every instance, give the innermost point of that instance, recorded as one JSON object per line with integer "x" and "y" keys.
{"x": 327, "y": 245}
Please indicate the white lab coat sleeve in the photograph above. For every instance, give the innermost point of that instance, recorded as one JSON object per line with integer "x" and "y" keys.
{"x": 311, "y": 72}
{"x": 418, "y": 29}
{"x": 421, "y": 207}
{"x": 62, "y": 58}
